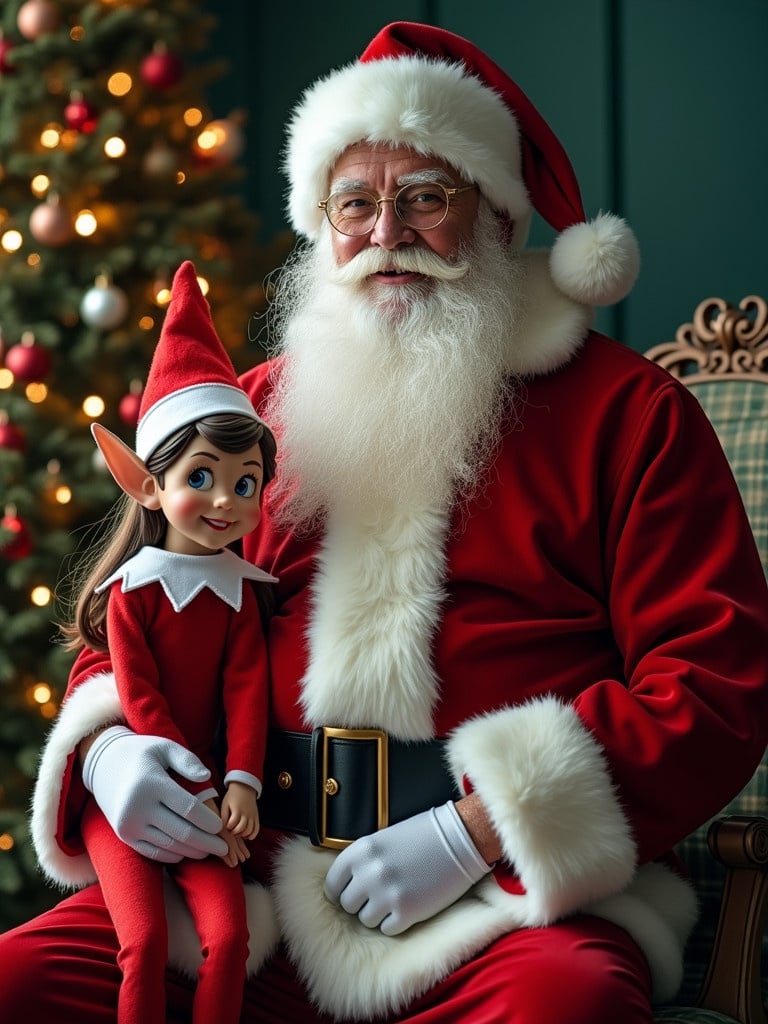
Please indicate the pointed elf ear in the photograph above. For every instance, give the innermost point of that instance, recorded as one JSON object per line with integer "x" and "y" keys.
{"x": 129, "y": 471}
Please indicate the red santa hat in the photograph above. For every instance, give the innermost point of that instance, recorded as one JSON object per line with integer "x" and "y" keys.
{"x": 191, "y": 375}
{"x": 431, "y": 90}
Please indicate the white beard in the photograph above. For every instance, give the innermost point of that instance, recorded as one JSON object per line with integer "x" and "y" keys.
{"x": 389, "y": 404}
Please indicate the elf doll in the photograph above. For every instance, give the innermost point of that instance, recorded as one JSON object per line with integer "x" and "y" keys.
{"x": 178, "y": 612}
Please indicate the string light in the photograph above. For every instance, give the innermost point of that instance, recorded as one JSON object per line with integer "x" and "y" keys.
{"x": 50, "y": 136}
{"x": 41, "y": 693}
{"x": 115, "y": 147}
{"x": 40, "y": 185}
{"x": 36, "y": 393}
{"x": 6, "y": 842}
{"x": 193, "y": 117}
{"x": 85, "y": 223}
{"x": 40, "y": 597}
{"x": 94, "y": 406}
{"x": 146, "y": 323}
{"x": 204, "y": 286}
{"x": 119, "y": 84}
{"x": 11, "y": 240}
{"x": 209, "y": 139}
{"x": 6, "y": 379}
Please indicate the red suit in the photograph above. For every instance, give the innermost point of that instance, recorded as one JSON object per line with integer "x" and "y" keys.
{"x": 597, "y": 664}
{"x": 184, "y": 648}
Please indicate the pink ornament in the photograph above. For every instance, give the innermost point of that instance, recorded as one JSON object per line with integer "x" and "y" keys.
{"x": 161, "y": 70}
{"x": 50, "y": 224}
{"x": 27, "y": 361}
{"x": 5, "y": 49}
{"x": 37, "y": 18}
{"x": 128, "y": 408}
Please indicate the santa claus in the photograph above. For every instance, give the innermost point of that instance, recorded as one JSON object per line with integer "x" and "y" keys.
{"x": 506, "y": 678}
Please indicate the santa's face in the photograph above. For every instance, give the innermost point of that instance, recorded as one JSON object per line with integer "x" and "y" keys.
{"x": 382, "y": 171}
{"x": 392, "y": 384}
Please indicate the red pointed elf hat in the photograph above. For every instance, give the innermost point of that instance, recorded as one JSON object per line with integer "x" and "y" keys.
{"x": 429, "y": 89}
{"x": 191, "y": 375}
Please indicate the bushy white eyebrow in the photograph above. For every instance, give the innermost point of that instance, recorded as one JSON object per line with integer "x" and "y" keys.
{"x": 427, "y": 175}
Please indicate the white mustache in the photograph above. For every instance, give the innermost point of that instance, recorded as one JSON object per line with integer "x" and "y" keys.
{"x": 416, "y": 261}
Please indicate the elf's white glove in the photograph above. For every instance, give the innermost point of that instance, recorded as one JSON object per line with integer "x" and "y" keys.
{"x": 128, "y": 776}
{"x": 407, "y": 872}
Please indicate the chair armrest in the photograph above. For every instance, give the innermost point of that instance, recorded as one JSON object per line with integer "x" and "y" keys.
{"x": 732, "y": 982}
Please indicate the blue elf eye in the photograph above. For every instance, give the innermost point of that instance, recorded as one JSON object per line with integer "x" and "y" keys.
{"x": 245, "y": 487}
{"x": 200, "y": 479}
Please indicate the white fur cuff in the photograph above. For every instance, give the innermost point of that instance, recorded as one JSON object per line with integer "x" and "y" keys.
{"x": 543, "y": 780}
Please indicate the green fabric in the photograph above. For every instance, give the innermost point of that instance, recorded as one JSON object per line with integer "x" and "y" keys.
{"x": 738, "y": 410}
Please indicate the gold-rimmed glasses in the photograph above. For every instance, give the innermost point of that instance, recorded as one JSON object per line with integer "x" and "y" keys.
{"x": 420, "y": 206}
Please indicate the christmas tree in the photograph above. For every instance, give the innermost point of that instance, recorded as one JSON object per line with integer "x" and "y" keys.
{"x": 112, "y": 172}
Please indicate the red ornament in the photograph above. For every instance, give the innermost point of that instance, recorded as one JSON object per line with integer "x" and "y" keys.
{"x": 161, "y": 70}
{"x": 19, "y": 545}
{"x": 37, "y": 18}
{"x": 80, "y": 116}
{"x": 5, "y": 67}
{"x": 129, "y": 408}
{"x": 27, "y": 361}
{"x": 11, "y": 437}
{"x": 51, "y": 224}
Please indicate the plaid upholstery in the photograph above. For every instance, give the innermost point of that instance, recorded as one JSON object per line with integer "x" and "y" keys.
{"x": 738, "y": 409}
{"x": 691, "y": 1016}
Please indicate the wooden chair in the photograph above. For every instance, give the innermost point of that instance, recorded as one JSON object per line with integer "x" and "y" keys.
{"x": 722, "y": 356}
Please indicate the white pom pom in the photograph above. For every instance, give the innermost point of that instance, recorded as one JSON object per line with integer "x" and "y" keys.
{"x": 596, "y": 263}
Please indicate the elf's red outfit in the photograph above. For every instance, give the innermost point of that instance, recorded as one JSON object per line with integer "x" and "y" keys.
{"x": 186, "y": 647}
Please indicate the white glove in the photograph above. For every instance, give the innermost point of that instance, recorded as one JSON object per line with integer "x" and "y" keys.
{"x": 128, "y": 776}
{"x": 408, "y": 872}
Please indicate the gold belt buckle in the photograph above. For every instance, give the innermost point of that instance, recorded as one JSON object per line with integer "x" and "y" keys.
{"x": 328, "y": 788}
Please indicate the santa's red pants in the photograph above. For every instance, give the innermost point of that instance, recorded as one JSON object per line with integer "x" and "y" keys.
{"x": 133, "y": 893}
{"x": 62, "y": 967}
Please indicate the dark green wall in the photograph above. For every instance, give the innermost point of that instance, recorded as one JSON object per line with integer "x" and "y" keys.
{"x": 661, "y": 105}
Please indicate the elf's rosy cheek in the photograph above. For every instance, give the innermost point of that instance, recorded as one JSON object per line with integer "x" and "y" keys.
{"x": 188, "y": 503}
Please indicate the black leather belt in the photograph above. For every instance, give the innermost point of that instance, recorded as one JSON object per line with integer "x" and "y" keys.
{"x": 335, "y": 785}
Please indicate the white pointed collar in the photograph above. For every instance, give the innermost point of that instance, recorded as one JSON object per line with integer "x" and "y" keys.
{"x": 182, "y": 577}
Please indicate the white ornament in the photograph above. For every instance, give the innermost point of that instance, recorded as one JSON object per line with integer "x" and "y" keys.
{"x": 105, "y": 305}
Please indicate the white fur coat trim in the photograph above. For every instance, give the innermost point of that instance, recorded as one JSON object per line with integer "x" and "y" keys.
{"x": 376, "y": 597}
{"x": 545, "y": 784}
{"x": 92, "y": 705}
{"x": 356, "y": 972}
